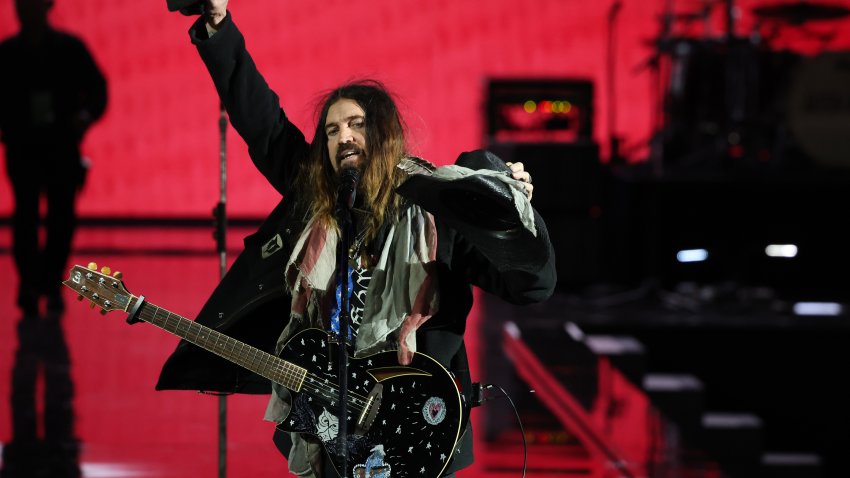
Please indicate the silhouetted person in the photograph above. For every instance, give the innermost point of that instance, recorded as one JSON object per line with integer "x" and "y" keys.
{"x": 51, "y": 91}
{"x": 55, "y": 454}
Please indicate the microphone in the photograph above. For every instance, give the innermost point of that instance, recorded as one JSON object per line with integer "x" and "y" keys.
{"x": 348, "y": 179}
{"x": 186, "y": 7}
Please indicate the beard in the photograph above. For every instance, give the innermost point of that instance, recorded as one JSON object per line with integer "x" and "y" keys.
{"x": 347, "y": 149}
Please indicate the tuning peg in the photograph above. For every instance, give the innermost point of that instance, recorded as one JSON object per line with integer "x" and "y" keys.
{"x": 92, "y": 266}
{"x": 102, "y": 311}
{"x": 91, "y": 305}
{"x": 118, "y": 275}
{"x": 105, "y": 270}
{"x": 80, "y": 297}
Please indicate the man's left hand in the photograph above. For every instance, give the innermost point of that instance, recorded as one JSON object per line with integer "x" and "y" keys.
{"x": 519, "y": 173}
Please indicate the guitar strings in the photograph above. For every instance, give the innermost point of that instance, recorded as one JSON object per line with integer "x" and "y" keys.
{"x": 359, "y": 401}
{"x": 328, "y": 392}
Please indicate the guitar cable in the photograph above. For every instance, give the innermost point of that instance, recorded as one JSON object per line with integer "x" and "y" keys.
{"x": 478, "y": 397}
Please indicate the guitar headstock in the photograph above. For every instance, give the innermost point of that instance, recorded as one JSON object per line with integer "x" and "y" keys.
{"x": 102, "y": 289}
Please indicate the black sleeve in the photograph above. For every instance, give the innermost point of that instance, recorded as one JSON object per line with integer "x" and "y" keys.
{"x": 276, "y": 146}
{"x": 518, "y": 282}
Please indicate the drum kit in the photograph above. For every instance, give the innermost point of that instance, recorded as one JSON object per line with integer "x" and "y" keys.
{"x": 731, "y": 99}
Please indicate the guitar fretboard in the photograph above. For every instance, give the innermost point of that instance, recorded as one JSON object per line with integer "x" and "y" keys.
{"x": 262, "y": 363}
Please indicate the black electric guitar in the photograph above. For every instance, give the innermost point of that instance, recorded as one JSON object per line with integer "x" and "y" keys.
{"x": 403, "y": 421}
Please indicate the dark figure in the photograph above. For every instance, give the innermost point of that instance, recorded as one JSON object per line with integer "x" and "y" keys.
{"x": 41, "y": 349}
{"x": 51, "y": 91}
{"x": 423, "y": 236}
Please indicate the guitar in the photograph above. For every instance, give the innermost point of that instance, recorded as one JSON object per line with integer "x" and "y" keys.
{"x": 402, "y": 421}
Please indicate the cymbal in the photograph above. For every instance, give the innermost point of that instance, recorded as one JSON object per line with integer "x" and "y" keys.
{"x": 801, "y": 12}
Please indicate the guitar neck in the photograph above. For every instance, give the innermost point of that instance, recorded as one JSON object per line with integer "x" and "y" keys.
{"x": 262, "y": 363}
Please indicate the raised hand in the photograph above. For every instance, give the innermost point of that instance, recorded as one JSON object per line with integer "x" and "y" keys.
{"x": 215, "y": 12}
{"x": 519, "y": 172}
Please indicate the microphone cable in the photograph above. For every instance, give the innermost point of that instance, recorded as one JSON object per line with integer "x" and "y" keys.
{"x": 482, "y": 398}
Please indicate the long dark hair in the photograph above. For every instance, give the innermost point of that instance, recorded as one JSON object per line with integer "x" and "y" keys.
{"x": 385, "y": 147}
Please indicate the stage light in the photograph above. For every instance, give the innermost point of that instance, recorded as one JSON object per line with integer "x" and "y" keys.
{"x": 781, "y": 250}
{"x": 530, "y": 106}
{"x": 561, "y": 107}
{"x": 818, "y": 308}
{"x": 574, "y": 331}
{"x": 692, "y": 255}
{"x": 113, "y": 470}
{"x": 512, "y": 329}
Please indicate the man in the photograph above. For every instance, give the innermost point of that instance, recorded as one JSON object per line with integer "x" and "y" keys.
{"x": 51, "y": 91}
{"x": 409, "y": 271}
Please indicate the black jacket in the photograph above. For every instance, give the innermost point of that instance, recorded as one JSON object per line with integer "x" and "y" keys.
{"x": 251, "y": 305}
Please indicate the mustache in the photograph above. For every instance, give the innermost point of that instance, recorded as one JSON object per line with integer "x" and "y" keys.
{"x": 348, "y": 148}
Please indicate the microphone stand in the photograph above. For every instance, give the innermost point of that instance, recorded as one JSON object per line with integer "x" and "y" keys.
{"x": 191, "y": 8}
{"x": 220, "y": 235}
{"x": 345, "y": 225}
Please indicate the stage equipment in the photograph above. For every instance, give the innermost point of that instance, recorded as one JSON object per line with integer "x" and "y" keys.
{"x": 729, "y": 102}
{"x": 539, "y": 110}
{"x": 610, "y": 82}
{"x": 546, "y": 124}
{"x": 796, "y": 13}
{"x": 735, "y": 219}
{"x": 819, "y": 108}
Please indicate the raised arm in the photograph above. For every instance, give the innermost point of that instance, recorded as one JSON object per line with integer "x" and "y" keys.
{"x": 274, "y": 143}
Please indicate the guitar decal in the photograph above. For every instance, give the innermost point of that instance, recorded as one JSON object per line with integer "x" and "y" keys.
{"x": 375, "y": 467}
{"x": 434, "y": 410}
{"x": 328, "y": 426}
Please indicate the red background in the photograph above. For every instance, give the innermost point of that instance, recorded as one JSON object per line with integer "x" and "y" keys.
{"x": 155, "y": 152}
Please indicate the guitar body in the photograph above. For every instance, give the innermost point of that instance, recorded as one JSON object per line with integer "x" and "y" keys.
{"x": 403, "y": 421}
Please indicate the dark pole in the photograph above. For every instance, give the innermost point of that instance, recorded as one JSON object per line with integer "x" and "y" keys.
{"x": 613, "y": 138}
{"x": 190, "y": 8}
{"x": 730, "y": 19}
{"x": 660, "y": 67}
{"x": 220, "y": 234}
